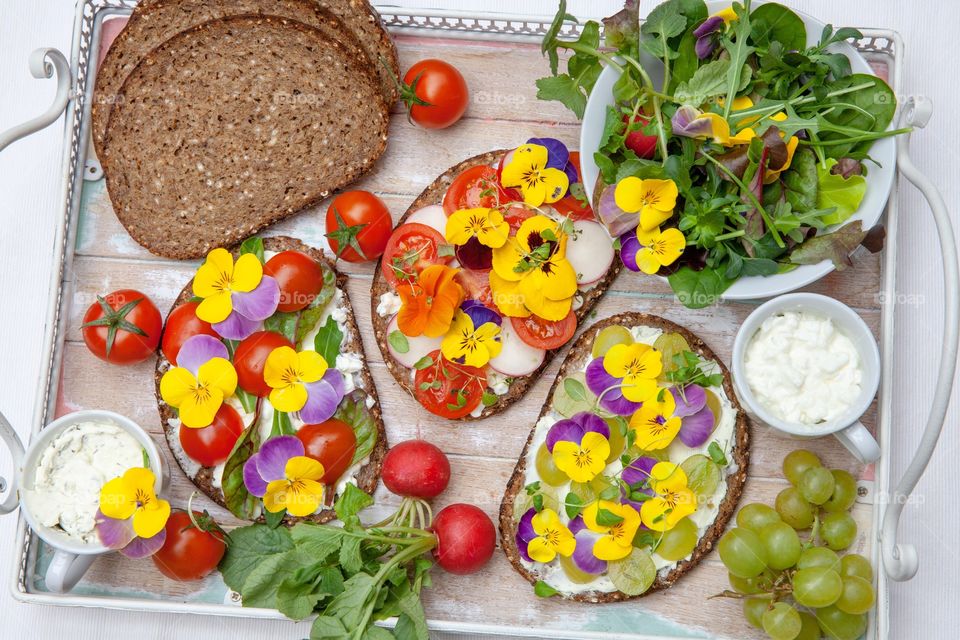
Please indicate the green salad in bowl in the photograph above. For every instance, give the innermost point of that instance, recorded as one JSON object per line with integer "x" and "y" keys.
{"x": 741, "y": 151}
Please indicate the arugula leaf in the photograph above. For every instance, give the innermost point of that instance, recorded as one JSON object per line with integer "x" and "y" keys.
{"x": 249, "y": 546}
{"x": 353, "y": 410}
{"x": 842, "y": 194}
{"x": 739, "y": 49}
{"x": 328, "y": 341}
{"x": 564, "y": 89}
{"x": 398, "y": 341}
{"x": 253, "y": 245}
{"x": 708, "y": 81}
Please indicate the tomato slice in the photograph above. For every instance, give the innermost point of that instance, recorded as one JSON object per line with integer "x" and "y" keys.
{"x": 545, "y": 334}
{"x": 477, "y": 286}
{"x": 515, "y": 215}
{"x": 459, "y": 391}
{"x": 477, "y": 187}
{"x": 412, "y": 248}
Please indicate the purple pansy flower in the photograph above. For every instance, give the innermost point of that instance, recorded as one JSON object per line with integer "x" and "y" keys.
{"x": 269, "y": 463}
{"x": 708, "y": 36}
{"x": 558, "y": 157}
{"x": 573, "y": 429}
{"x": 629, "y": 246}
{"x": 525, "y": 533}
{"x": 249, "y": 310}
{"x": 119, "y": 535}
{"x": 583, "y": 553}
{"x": 480, "y": 313}
{"x": 197, "y": 350}
{"x": 635, "y": 474}
{"x": 607, "y": 388}
{"x": 323, "y": 397}
{"x": 688, "y": 122}
{"x": 697, "y": 420}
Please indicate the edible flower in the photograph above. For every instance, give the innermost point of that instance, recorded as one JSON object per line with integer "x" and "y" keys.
{"x": 618, "y": 524}
{"x": 531, "y": 274}
{"x": 529, "y": 171}
{"x": 636, "y": 477}
{"x": 474, "y": 337}
{"x": 303, "y": 382}
{"x": 486, "y": 225}
{"x": 655, "y": 423}
{"x": 647, "y": 251}
{"x": 696, "y": 418}
{"x": 427, "y": 305}
{"x": 580, "y": 446}
{"x": 653, "y": 199}
{"x": 672, "y": 500}
{"x": 541, "y": 536}
{"x": 586, "y": 539}
{"x": 131, "y": 517}
{"x": 237, "y": 297}
{"x": 558, "y": 157}
{"x": 200, "y": 382}
{"x": 708, "y": 33}
{"x": 284, "y": 477}
{"x": 625, "y": 377}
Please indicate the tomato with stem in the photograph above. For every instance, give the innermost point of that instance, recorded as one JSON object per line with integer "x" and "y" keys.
{"x": 122, "y": 327}
{"x": 358, "y": 226}
{"x": 190, "y": 552}
{"x": 435, "y": 93}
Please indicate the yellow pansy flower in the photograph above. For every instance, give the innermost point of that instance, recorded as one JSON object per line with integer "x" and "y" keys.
{"x": 474, "y": 336}
{"x": 198, "y": 397}
{"x": 672, "y": 501}
{"x": 219, "y": 277}
{"x": 287, "y": 373}
{"x": 654, "y": 422}
{"x": 553, "y": 537}
{"x": 300, "y": 491}
{"x": 585, "y": 461}
{"x": 132, "y": 495}
{"x": 637, "y": 366}
{"x": 652, "y": 198}
{"x": 528, "y": 171}
{"x": 617, "y": 541}
{"x": 486, "y": 225}
{"x": 647, "y": 251}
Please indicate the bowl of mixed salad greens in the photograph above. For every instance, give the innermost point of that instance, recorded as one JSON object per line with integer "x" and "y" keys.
{"x": 740, "y": 151}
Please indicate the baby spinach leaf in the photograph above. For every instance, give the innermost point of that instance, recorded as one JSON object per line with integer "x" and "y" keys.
{"x": 698, "y": 289}
{"x": 843, "y": 194}
{"x": 876, "y": 99}
{"x": 249, "y": 546}
{"x": 773, "y": 21}
{"x": 328, "y": 341}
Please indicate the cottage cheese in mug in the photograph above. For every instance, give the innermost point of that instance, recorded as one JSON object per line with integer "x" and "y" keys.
{"x": 71, "y": 471}
{"x": 802, "y": 368}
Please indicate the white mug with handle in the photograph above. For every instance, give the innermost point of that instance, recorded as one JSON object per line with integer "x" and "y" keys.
{"x": 847, "y": 427}
{"x": 71, "y": 557}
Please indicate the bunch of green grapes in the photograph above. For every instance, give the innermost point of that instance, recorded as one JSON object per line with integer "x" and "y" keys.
{"x": 800, "y": 589}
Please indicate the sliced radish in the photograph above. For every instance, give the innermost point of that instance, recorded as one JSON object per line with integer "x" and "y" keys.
{"x": 432, "y": 216}
{"x": 516, "y": 358}
{"x": 590, "y": 251}
{"x": 418, "y": 347}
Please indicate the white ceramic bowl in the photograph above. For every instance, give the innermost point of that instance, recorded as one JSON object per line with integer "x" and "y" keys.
{"x": 879, "y": 178}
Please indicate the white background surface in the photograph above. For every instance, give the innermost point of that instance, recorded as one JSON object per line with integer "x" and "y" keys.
{"x": 29, "y": 205}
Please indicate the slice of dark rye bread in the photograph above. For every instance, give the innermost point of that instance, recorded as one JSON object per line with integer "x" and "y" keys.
{"x": 369, "y": 475}
{"x": 575, "y": 360}
{"x": 433, "y": 194}
{"x": 233, "y": 125}
{"x": 153, "y": 22}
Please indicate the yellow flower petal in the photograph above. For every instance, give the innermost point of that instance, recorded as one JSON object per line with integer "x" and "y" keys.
{"x": 505, "y": 258}
{"x": 216, "y": 307}
{"x": 652, "y": 218}
{"x": 652, "y": 513}
{"x": 290, "y": 398}
{"x": 525, "y": 158}
{"x": 303, "y": 497}
{"x": 141, "y": 479}
{"x": 652, "y": 433}
{"x": 278, "y": 364}
{"x": 459, "y": 228}
{"x": 545, "y": 520}
{"x": 555, "y": 184}
{"x": 247, "y": 273}
{"x": 176, "y": 385}
{"x": 609, "y": 548}
{"x": 647, "y": 261}
{"x": 661, "y": 194}
{"x": 639, "y": 389}
{"x": 495, "y": 233}
{"x": 728, "y": 15}
{"x": 540, "y": 550}
{"x": 303, "y": 468}
{"x": 199, "y": 410}
{"x": 214, "y": 275}
{"x": 275, "y": 499}
{"x": 311, "y": 366}
{"x": 507, "y": 296}
{"x": 566, "y": 543}
{"x": 220, "y": 374}
{"x": 149, "y": 522}
{"x": 583, "y": 462}
{"x": 667, "y": 476}
{"x": 118, "y": 499}
{"x": 628, "y": 194}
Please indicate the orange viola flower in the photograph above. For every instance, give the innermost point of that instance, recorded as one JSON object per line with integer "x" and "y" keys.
{"x": 427, "y": 305}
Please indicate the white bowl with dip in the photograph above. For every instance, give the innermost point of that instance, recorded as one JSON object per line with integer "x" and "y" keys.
{"x": 73, "y": 552}
{"x": 841, "y": 362}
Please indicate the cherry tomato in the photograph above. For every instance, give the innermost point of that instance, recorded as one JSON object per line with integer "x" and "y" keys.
{"x": 251, "y": 355}
{"x": 412, "y": 248}
{"x": 364, "y": 223}
{"x": 545, "y": 334}
{"x": 569, "y": 205}
{"x": 212, "y": 445}
{"x": 466, "y": 538}
{"x": 416, "y": 469}
{"x": 183, "y": 323}
{"x": 460, "y": 391}
{"x": 435, "y": 93}
{"x": 332, "y": 444}
{"x": 299, "y": 276}
{"x": 122, "y": 327}
{"x": 639, "y": 142}
{"x": 477, "y": 186}
{"x": 188, "y": 553}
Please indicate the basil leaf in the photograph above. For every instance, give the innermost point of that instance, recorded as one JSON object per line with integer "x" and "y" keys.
{"x": 716, "y": 454}
{"x": 606, "y": 518}
{"x": 328, "y": 341}
{"x": 253, "y": 245}
{"x": 423, "y": 363}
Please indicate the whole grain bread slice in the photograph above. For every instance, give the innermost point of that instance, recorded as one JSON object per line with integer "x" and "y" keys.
{"x": 233, "y": 125}
{"x": 579, "y": 353}
{"x": 433, "y": 194}
{"x": 369, "y": 474}
{"x": 153, "y": 22}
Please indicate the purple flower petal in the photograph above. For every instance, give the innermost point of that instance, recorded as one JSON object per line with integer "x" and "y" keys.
{"x": 480, "y": 313}
{"x": 583, "y": 553}
{"x": 255, "y": 484}
{"x": 592, "y": 422}
{"x": 629, "y": 246}
{"x": 616, "y": 220}
{"x": 273, "y": 455}
{"x": 525, "y": 533}
{"x": 236, "y": 327}
{"x": 712, "y": 24}
{"x": 113, "y": 533}
{"x": 690, "y": 401}
{"x": 260, "y": 303}
{"x": 198, "y": 350}
{"x": 145, "y": 547}
{"x": 323, "y": 397}
{"x": 557, "y": 153}
{"x": 606, "y": 388}
{"x": 634, "y": 474}
{"x": 696, "y": 429}
{"x": 688, "y": 123}
{"x": 572, "y": 176}
{"x": 705, "y": 46}
{"x": 577, "y": 524}
{"x": 567, "y": 430}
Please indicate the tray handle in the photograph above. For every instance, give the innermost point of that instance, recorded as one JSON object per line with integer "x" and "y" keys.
{"x": 900, "y": 561}
{"x": 15, "y": 446}
{"x": 44, "y": 63}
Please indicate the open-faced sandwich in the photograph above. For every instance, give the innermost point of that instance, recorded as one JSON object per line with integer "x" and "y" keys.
{"x": 487, "y": 274}
{"x": 634, "y": 467}
{"x": 263, "y": 387}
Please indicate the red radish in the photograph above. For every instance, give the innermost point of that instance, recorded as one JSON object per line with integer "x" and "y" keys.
{"x": 516, "y": 358}
{"x": 417, "y": 347}
{"x": 639, "y": 142}
{"x": 416, "y": 469}
{"x": 590, "y": 251}
{"x": 432, "y": 216}
{"x": 466, "y": 538}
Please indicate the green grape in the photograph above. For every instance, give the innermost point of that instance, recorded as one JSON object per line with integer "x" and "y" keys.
{"x": 818, "y": 557}
{"x": 809, "y": 629}
{"x": 782, "y": 622}
{"x": 840, "y": 625}
{"x": 609, "y": 337}
{"x": 782, "y": 545}
{"x": 844, "y": 492}
{"x": 838, "y": 530}
{"x": 746, "y": 586}
{"x": 589, "y": 491}
{"x": 573, "y": 572}
{"x": 617, "y": 440}
{"x": 756, "y": 516}
{"x": 679, "y": 541}
{"x": 742, "y": 552}
{"x": 853, "y": 564}
{"x": 857, "y": 597}
{"x": 817, "y": 587}
{"x": 753, "y": 610}
{"x": 547, "y": 470}
{"x": 714, "y": 404}
{"x": 567, "y": 405}
{"x": 797, "y": 462}
{"x": 669, "y": 344}
{"x": 816, "y": 485}
{"x": 794, "y": 509}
